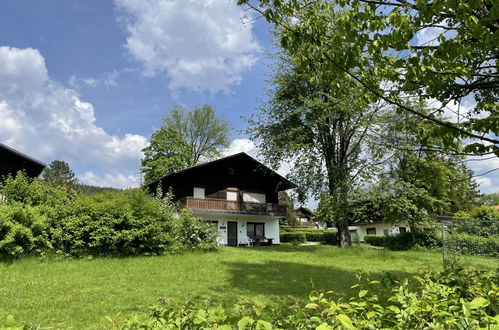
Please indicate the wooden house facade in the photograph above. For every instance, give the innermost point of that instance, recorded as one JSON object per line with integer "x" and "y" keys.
{"x": 238, "y": 194}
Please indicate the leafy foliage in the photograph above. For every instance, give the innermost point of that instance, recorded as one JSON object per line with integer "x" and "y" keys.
{"x": 454, "y": 298}
{"x": 167, "y": 152}
{"x": 379, "y": 45}
{"x": 58, "y": 172}
{"x": 39, "y": 217}
{"x": 201, "y": 129}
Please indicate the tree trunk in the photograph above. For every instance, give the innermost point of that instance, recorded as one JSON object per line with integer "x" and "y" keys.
{"x": 413, "y": 232}
{"x": 343, "y": 235}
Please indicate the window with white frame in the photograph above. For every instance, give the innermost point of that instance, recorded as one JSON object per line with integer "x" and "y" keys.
{"x": 198, "y": 192}
{"x": 255, "y": 229}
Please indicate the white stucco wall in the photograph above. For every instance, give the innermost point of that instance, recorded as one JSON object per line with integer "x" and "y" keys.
{"x": 380, "y": 227}
{"x": 271, "y": 225}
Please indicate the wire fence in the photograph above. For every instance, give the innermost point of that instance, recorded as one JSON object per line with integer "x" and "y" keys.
{"x": 469, "y": 237}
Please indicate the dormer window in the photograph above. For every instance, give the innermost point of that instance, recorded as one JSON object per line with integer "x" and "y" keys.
{"x": 198, "y": 192}
{"x": 232, "y": 194}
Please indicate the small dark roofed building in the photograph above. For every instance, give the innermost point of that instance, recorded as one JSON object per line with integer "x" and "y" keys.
{"x": 13, "y": 161}
{"x": 238, "y": 194}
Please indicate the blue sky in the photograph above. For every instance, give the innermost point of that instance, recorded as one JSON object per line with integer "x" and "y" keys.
{"x": 121, "y": 59}
{"x": 89, "y": 81}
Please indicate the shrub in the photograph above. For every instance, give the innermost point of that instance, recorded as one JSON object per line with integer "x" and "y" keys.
{"x": 294, "y": 237}
{"x": 375, "y": 240}
{"x": 23, "y": 230}
{"x": 404, "y": 241}
{"x": 314, "y": 236}
{"x": 330, "y": 237}
{"x": 196, "y": 234}
{"x": 37, "y": 216}
{"x": 453, "y": 299}
{"x": 476, "y": 245}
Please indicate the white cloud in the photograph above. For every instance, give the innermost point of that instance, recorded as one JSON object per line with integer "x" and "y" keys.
{"x": 108, "y": 79}
{"x": 111, "y": 180}
{"x": 44, "y": 119}
{"x": 200, "y": 45}
{"x": 241, "y": 145}
{"x": 488, "y": 165}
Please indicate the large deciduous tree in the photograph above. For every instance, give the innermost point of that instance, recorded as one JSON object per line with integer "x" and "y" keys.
{"x": 318, "y": 125}
{"x": 443, "y": 51}
{"x": 166, "y": 153}
{"x": 202, "y": 129}
{"x": 184, "y": 139}
{"x": 59, "y": 172}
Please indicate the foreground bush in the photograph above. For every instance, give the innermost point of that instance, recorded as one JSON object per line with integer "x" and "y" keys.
{"x": 375, "y": 240}
{"x": 453, "y": 299}
{"x": 293, "y": 237}
{"x": 37, "y": 217}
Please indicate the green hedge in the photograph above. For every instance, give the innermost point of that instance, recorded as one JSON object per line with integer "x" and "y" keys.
{"x": 295, "y": 237}
{"x": 330, "y": 237}
{"x": 312, "y": 235}
{"x": 404, "y": 241}
{"x": 375, "y": 240}
{"x": 475, "y": 245}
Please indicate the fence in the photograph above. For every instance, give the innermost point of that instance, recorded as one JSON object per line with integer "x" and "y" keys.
{"x": 469, "y": 237}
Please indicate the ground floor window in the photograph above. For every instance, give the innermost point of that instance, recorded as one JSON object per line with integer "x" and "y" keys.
{"x": 385, "y": 232}
{"x": 371, "y": 231}
{"x": 255, "y": 229}
{"x": 402, "y": 230}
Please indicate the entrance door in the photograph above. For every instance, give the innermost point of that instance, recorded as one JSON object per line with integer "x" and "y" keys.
{"x": 232, "y": 233}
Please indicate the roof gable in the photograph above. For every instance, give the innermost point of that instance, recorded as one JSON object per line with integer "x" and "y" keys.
{"x": 12, "y": 161}
{"x": 237, "y": 165}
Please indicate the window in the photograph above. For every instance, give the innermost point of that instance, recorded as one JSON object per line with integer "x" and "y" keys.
{"x": 231, "y": 195}
{"x": 371, "y": 231}
{"x": 385, "y": 232}
{"x": 255, "y": 229}
{"x": 198, "y": 192}
{"x": 254, "y": 197}
{"x": 402, "y": 230}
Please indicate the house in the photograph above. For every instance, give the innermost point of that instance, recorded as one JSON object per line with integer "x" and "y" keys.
{"x": 238, "y": 194}
{"x": 307, "y": 218}
{"x": 12, "y": 161}
{"x": 378, "y": 228}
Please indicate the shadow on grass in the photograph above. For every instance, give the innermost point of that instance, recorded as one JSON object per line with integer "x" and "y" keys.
{"x": 280, "y": 278}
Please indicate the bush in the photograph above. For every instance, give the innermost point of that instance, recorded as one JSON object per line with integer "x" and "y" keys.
{"x": 453, "y": 299}
{"x": 294, "y": 237}
{"x": 404, "y": 241}
{"x": 476, "y": 245}
{"x": 314, "y": 236}
{"x": 23, "y": 231}
{"x": 38, "y": 217}
{"x": 375, "y": 240}
{"x": 330, "y": 237}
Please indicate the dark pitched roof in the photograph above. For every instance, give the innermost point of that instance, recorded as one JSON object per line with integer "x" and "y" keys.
{"x": 12, "y": 161}
{"x": 242, "y": 156}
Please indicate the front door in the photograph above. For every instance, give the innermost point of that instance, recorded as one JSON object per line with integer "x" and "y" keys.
{"x": 232, "y": 233}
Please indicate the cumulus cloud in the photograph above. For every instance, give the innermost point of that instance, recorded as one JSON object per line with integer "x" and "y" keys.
{"x": 200, "y": 45}
{"x": 241, "y": 145}
{"x": 111, "y": 180}
{"x": 49, "y": 121}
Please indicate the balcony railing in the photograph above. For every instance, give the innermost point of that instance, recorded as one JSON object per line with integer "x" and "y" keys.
{"x": 232, "y": 206}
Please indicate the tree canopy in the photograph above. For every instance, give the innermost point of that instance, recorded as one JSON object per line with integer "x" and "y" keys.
{"x": 184, "y": 139}
{"x": 443, "y": 52}
{"x": 166, "y": 153}
{"x": 201, "y": 128}
{"x": 59, "y": 172}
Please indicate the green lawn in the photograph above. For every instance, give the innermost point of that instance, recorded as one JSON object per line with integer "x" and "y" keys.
{"x": 80, "y": 293}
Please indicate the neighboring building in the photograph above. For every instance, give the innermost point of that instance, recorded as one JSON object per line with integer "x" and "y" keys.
{"x": 238, "y": 194}
{"x": 12, "y": 161}
{"x": 307, "y": 218}
{"x": 380, "y": 228}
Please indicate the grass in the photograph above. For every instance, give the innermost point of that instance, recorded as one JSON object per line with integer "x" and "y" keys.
{"x": 80, "y": 293}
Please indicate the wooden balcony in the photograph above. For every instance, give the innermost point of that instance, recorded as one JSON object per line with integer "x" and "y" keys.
{"x": 214, "y": 204}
